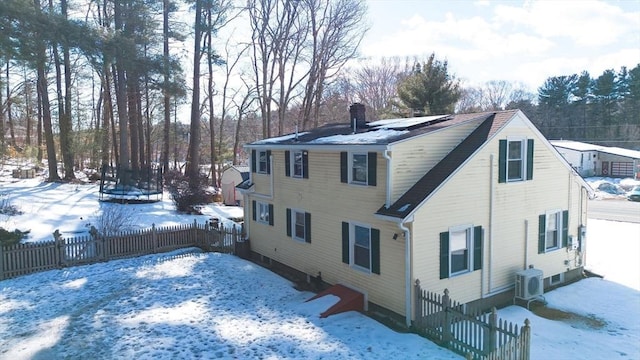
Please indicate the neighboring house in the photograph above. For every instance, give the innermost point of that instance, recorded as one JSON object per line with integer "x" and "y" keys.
{"x": 595, "y": 160}
{"x": 231, "y": 177}
{"x": 460, "y": 202}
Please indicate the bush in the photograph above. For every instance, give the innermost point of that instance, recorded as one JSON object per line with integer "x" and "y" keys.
{"x": 185, "y": 195}
{"x": 6, "y": 208}
{"x": 114, "y": 219}
{"x": 8, "y": 238}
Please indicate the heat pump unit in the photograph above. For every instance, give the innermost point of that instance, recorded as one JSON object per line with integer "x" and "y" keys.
{"x": 529, "y": 284}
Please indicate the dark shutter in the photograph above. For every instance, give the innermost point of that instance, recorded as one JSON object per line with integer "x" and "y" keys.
{"x": 542, "y": 225}
{"x": 477, "y": 247}
{"x": 253, "y": 161}
{"x": 305, "y": 164}
{"x": 288, "y": 222}
{"x": 287, "y": 163}
{"x": 268, "y": 161}
{"x": 253, "y": 207}
{"x": 371, "y": 176}
{"x": 444, "y": 255}
{"x": 502, "y": 162}
{"x": 344, "y": 164}
{"x": 565, "y": 228}
{"x": 375, "y": 251}
{"x": 345, "y": 242}
{"x": 529, "y": 159}
{"x": 271, "y": 214}
{"x": 307, "y": 227}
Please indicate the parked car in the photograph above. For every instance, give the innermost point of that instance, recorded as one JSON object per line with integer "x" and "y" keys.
{"x": 634, "y": 194}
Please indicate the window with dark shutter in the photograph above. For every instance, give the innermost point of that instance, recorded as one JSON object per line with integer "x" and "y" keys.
{"x": 288, "y": 222}
{"x": 287, "y": 163}
{"x": 529, "y": 159}
{"x": 344, "y": 167}
{"x": 477, "y": 247}
{"x": 375, "y": 251}
{"x": 372, "y": 164}
{"x": 444, "y": 255}
{"x": 345, "y": 243}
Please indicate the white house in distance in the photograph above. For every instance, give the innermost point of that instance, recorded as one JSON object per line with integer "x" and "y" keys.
{"x": 461, "y": 202}
{"x": 595, "y": 160}
{"x": 231, "y": 177}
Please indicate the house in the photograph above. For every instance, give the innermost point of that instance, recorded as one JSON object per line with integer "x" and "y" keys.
{"x": 458, "y": 202}
{"x": 595, "y": 160}
{"x": 231, "y": 177}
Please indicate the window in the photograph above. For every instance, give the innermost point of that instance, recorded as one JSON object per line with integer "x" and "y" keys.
{"x": 261, "y": 161}
{"x": 297, "y": 163}
{"x": 358, "y": 168}
{"x": 515, "y": 160}
{"x": 299, "y": 225}
{"x": 361, "y": 247}
{"x": 552, "y": 230}
{"x": 262, "y": 212}
{"x": 460, "y": 250}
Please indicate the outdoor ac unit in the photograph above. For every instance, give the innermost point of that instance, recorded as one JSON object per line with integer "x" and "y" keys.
{"x": 529, "y": 284}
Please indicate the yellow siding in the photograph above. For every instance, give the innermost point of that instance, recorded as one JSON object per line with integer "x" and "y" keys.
{"x": 465, "y": 199}
{"x": 414, "y": 158}
{"x": 331, "y": 202}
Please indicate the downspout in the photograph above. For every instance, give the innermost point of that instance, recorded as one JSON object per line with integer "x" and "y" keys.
{"x": 387, "y": 155}
{"x": 491, "y": 200}
{"x": 407, "y": 269}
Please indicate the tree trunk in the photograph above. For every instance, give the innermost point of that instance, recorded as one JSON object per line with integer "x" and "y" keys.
{"x": 165, "y": 92}
{"x": 66, "y": 127}
{"x": 192, "y": 170}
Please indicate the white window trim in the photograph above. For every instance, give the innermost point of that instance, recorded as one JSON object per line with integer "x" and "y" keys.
{"x": 292, "y": 162}
{"x": 266, "y": 165}
{"x": 469, "y": 228}
{"x": 259, "y": 205}
{"x": 523, "y": 159}
{"x": 352, "y": 246}
{"x": 293, "y": 225}
{"x": 366, "y": 168}
{"x": 559, "y": 226}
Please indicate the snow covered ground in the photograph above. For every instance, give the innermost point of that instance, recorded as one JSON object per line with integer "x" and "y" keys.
{"x": 187, "y": 304}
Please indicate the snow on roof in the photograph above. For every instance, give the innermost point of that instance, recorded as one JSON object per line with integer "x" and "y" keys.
{"x": 279, "y": 138}
{"x": 580, "y": 146}
{"x": 370, "y": 137}
{"x": 403, "y": 122}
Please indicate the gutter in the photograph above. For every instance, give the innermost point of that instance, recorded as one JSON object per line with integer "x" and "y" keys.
{"x": 407, "y": 270}
{"x": 387, "y": 155}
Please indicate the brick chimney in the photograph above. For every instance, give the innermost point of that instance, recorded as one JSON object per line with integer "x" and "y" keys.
{"x": 357, "y": 116}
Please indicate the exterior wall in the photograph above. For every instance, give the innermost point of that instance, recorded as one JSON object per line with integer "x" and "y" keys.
{"x": 414, "y": 158}
{"x": 583, "y": 161}
{"x": 606, "y": 170}
{"x": 229, "y": 180}
{"x": 508, "y": 213}
{"x": 329, "y": 202}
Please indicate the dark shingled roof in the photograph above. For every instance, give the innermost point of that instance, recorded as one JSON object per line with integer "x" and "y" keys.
{"x": 447, "y": 166}
{"x": 315, "y": 136}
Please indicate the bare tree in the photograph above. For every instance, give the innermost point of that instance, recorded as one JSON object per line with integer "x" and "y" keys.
{"x": 336, "y": 32}
{"x": 375, "y": 84}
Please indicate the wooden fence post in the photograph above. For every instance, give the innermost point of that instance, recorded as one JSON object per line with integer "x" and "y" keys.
{"x": 525, "y": 335}
{"x": 418, "y": 305}
{"x": 490, "y": 341}
{"x": 194, "y": 232}
{"x": 446, "y": 324}
{"x": 154, "y": 238}
{"x": 60, "y": 248}
{"x": 1, "y": 262}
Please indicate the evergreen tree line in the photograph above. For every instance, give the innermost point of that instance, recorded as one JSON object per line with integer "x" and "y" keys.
{"x": 88, "y": 83}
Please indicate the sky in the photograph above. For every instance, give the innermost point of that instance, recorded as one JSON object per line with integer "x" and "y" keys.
{"x": 518, "y": 41}
{"x": 187, "y": 304}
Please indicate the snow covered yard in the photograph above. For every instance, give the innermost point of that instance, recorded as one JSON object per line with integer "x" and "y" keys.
{"x": 187, "y": 304}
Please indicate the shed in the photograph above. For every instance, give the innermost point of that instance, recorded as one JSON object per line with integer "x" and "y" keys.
{"x": 231, "y": 177}
{"x": 596, "y": 160}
